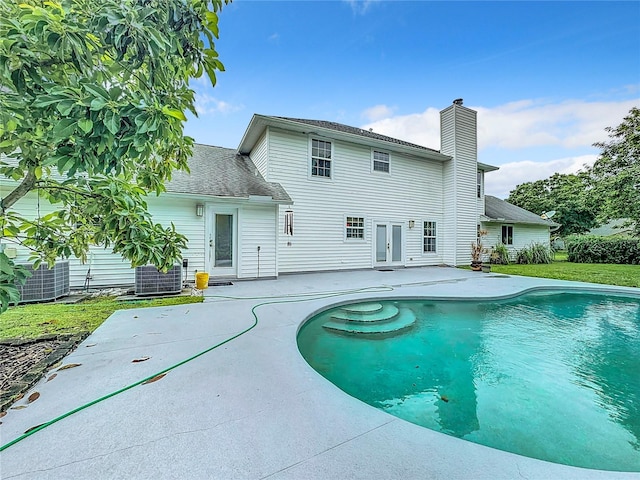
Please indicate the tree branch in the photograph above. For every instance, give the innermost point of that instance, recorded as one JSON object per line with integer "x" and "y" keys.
{"x": 46, "y": 186}
{"x": 27, "y": 184}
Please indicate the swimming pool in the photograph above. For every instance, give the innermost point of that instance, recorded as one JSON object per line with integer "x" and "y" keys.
{"x": 553, "y": 375}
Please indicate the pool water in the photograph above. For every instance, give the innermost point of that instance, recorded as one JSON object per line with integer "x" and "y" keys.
{"x": 550, "y": 375}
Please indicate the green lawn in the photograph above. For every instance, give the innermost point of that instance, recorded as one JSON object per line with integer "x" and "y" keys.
{"x": 35, "y": 320}
{"x": 608, "y": 274}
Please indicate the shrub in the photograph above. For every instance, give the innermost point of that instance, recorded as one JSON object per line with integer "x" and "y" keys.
{"x": 534, "y": 254}
{"x": 499, "y": 254}
{"x": 592, "y": 249}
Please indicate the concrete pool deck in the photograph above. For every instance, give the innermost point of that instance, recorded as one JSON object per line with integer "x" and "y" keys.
{"x": 251, "y": 408}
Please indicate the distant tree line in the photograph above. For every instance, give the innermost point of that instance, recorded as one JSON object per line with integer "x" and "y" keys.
{"x": 608, "y": 190}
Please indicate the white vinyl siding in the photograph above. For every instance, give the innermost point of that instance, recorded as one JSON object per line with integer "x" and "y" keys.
{"x": 107, "y": 269}
{"x": 524, "y": 235}
{"x": 256, "y": 227}
{"x": 414, "y": 191}
{"x": 260, "y": 155}
{"x": 458, "y": 139}
{"x": 171, "y": 208}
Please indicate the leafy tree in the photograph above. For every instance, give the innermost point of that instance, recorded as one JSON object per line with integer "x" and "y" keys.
{"x": 93, "y": 95}
{"x": 567, "y": 194}
{"x": 616, "y": 173}
{"x": 532, "y": 196}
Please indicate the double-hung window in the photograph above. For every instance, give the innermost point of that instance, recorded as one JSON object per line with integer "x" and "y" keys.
{"x": 429, "y": 237}
{"x": 380, "y": 161}
{"x": 320, "y": 158}
{"x": 507, "y": 234}
{"x": 354, "y": 227}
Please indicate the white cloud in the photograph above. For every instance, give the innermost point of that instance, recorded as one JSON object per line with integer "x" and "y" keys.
{"x": 512, "y": 174}
{"x": 360, "y": 7}
{"x": 529, "y": 123}
{"x": 206, "y": 104}
{"x": 517, "y": 125}
{"x": 419, "y": 128}
{"x": 377, "y": 112}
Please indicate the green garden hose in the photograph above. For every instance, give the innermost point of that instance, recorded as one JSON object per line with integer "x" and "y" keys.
{"x": 303, "y": 297}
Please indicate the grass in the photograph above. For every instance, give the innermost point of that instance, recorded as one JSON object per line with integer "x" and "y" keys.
{"x": 36, "y": 320}
{"x": 561, "y": 269}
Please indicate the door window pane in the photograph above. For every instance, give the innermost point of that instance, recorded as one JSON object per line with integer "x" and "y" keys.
{"x": 396, "y": 250}
{"x": 381, "y": 243}
{"x": 224, "y": 241}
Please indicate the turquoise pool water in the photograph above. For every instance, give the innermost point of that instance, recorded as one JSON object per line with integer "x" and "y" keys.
{"x": 550, "y": 375}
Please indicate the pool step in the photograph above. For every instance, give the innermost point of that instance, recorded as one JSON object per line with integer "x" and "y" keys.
{"x": 403, "y": 318}
{"x": 349, "y": 314}
{"x": 369, "y": 307}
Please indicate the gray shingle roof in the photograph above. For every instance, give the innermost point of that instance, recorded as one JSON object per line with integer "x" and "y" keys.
{"x": 220, "y": 172}
{"x": 356, "y": 131}
{"x": 496, "y": 210}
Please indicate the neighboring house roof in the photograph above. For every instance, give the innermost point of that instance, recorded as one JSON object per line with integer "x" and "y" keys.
{"x": 333, "y": 130}
{"x": 496, "y": 210}
{"x": 614, "y": 227}
{"x": 221, "y": 172}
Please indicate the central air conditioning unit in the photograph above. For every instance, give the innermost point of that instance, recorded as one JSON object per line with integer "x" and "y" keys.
{"x": 151, "y": 281}
{"x": 45, "y": 283}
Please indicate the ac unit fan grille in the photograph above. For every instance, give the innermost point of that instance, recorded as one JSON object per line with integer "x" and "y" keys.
{"x": 45, "y": 283}
{"x": 150, "y": 281}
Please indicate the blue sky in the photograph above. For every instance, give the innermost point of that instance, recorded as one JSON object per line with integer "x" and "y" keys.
{"x": 545, "y": 77}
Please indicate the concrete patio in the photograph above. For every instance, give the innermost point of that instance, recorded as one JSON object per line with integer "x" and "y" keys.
{"x": 251, "y": 408}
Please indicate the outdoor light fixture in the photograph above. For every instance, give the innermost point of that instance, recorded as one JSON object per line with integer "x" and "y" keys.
{"x": 199, "y": 209}
{"x": 412, "y": 223}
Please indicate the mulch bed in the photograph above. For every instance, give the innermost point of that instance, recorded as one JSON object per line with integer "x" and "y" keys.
{"x": 24, "y": 362}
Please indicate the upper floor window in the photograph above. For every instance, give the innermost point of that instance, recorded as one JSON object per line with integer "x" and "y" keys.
{"x": 320, "y": 158}
{"x": 479, "y": 181}
{"x": 355, "y": 227}
{"x": 380, "y": 161}
{"x": 507, "y": 234}
{"x": 429, "y": 237}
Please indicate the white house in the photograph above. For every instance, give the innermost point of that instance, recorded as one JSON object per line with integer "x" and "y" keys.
{"x": 305, "y": 195}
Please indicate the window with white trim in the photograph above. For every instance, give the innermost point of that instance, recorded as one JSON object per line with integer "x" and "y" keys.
{"x": 429, "y": 237}
{"x": 320, "y": 158}
{"x": 354, "y": 227}
{"x": 380, "y": 161}
{"x": 507, "y": 234}
{"x": 479, "y": 182}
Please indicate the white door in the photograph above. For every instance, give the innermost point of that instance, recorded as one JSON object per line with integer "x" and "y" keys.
{"x": 389, "y": 244}
{"x": 223, "y": 242}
